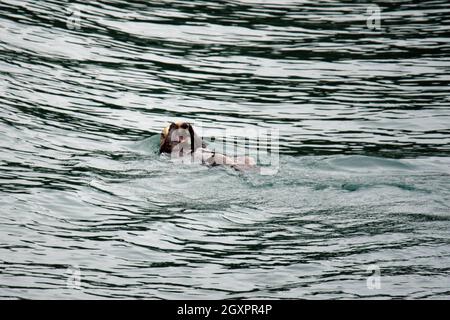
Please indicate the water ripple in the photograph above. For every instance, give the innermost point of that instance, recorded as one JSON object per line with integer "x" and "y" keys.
{"x": 364, "y": 149}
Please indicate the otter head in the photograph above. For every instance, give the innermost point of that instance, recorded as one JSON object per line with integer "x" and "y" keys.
{"x": 179, "y": 136}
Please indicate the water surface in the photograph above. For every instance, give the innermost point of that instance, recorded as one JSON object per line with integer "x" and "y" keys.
{"x": 363, "y": 116}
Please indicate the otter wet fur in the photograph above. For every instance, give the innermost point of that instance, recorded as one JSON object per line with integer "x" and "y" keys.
{"x": 179, "y": 139}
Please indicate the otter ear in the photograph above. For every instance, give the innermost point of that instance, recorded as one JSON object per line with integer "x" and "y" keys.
{"x": 167, "y": 129}
{"x": 192, "y": 134}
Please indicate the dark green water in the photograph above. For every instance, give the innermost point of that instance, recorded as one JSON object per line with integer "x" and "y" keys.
{"x": 364, "y": 122}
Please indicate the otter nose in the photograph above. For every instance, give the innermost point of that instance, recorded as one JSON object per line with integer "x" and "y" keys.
{"x": 179, "y": 137}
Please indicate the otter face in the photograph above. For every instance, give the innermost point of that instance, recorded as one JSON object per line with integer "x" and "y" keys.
{"x": 179, "y": 136}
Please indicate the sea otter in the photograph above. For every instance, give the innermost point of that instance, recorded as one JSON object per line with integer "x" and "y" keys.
{"x": 179, "y": 139}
